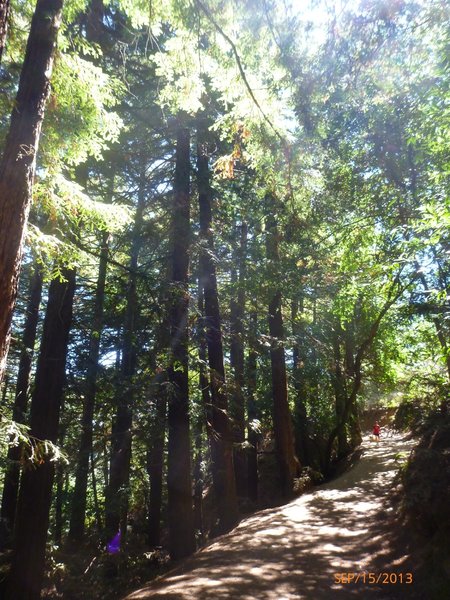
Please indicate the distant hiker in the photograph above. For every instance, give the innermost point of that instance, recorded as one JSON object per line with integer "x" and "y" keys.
{"x": 376, "y": 432}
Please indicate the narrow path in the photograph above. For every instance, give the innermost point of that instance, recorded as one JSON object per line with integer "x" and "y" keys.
{"x": 294, "y": 551}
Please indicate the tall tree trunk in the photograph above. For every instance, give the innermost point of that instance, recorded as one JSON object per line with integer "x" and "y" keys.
{"x": 340, "y": 393}
{"x": 237, "y": 404}
{"x": 155, "y": 457}
{"x": 33, "y": 508}
{"x": 179, "y": 482}
{"x": 349, "y": 363}
{"x": 78, "y": 513}
{"x": 221, "y": 434}
{"x": 98, "y": 514}
{"x": 298, "y": 366}
{"x": 198, "y": 478}
{"x": 252, "y": 411}
{"x": 59, "y": 502}
{"x": 11, "y": 483}
{"x": 203, "y": 354}
{"x": 282, "y": 420}
{"x": 4, "y": 19}
{"x": 18, "y": 163}
{"x": 5, "y": 386}
{"x": 157, "y": 428}
{"x": 117, "y": 492}
{"x": 203, "y": 418}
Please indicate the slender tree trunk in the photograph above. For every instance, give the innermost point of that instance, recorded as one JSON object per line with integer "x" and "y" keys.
{"x": 33, "y": 508}
{"x": 58, "y": 524}
{"x": 117, "y": 493}
{"x": 351, "y": 397}
{"x": 282, "y": 420}
{"x": 157, "y": 429}
{"x": 221, "y": 434}
{"x": 18, "y": 163}
{"x": 78, "y": 514}
{"x": 299, "y": 360}
{"x": 155, "y": 463}
{"x": 252, "y": 412}
{"x": 98, "y": 514}
{"x": 105, "y": 464}
{"x": 198, "y": 478}
{"x": 349, "y": 363}
{"x": 342, "y": 419}
{"x": 4, "y": 19}
{"x": 340, "y": 394}
{"x": 237, "y": 404}
{"x": 205, "y": 416}
{"x": 5, "y": 386}
{"x": 59, "y": 501}
{"x": 203, "y": 355}
{"x": 179, "y": 482}
{"x": 11, "y": 483}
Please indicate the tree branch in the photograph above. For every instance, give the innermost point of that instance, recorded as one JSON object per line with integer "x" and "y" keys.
{"x": 210, "y": 17}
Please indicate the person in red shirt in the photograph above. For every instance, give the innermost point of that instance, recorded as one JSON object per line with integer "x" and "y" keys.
{"x": 376, "y": 432}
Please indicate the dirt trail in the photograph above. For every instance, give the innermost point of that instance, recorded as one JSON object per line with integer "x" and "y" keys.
{"x": 293, "y": 551}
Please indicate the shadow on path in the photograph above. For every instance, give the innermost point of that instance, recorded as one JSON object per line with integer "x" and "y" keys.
{"x": 296, "y": 551}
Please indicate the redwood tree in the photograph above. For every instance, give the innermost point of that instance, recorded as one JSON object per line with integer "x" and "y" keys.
{"x": 282, "y": 420}
{"x": 116, "y": 500}
{"x": 221, "y": 435}
{"x": 77, "y": 517}
{"x": 156, "y": 436}
{"x": 4, "y": 18}
{"x": 299, "y": 380}
{"x": 155, "y": 464}
{"x": 179, "y": 482}
{"x": 252, "y": 410}
{"x": 237, "y": 310}
{"x": 11, "y": 483}
{"x": 34, "y": 501}
{"x": 18, "y": 164}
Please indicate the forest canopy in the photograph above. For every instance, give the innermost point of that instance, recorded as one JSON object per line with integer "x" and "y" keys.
{"x": 224, "y": 240}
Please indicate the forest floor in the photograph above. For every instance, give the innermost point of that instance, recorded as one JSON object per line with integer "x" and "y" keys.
{"x": 302, "y": 549}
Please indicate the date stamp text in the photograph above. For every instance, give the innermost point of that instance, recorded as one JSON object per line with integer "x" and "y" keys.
{"x": 383, "y": 578}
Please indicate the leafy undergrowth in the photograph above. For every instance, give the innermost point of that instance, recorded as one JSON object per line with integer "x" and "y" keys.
{"x": 89, "y": 574}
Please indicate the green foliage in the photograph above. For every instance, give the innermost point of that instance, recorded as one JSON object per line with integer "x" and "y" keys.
{"x": 67, "y": 203}
{"x": 80, "y": 122}
{"x": 12, "y": 433}
{"x": 34, "y": 451}
{"x": 341, "y": 136}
